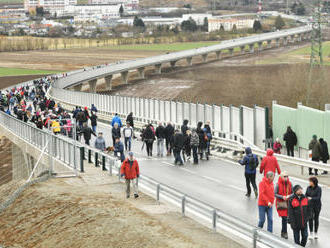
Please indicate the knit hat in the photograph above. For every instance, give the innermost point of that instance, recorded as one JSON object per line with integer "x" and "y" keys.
{"x": 296, "y": 188}
{"x": 130, "y": 154}
{"x": 314, "y": 136}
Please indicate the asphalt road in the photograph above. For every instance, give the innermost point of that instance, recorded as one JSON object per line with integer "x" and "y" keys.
{"x": 220, "y": 183}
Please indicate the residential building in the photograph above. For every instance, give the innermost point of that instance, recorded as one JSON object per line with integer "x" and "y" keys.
{"x": 53, "y": 6}
{"x": 127, "y": 4}
{"x": 229, "y": 23}
{"x": 198, "y": 18}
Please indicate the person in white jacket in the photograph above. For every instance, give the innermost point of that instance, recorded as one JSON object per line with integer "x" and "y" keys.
{"x": 128, "y": 134}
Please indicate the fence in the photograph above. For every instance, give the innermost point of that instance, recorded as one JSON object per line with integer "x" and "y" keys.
{"x": 251, "y": 123}
{"x": 304, "y": 121}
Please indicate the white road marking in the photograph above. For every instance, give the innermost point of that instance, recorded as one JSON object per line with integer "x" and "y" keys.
{"x": 212, "y": 179}
{"x": 324, "y": 218}
{"x": 168, "y": 164}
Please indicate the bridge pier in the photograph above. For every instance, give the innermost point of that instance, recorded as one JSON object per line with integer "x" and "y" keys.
{"x": 77, "y": 87}
{"x": 141, "y": 72}
{"x": 251, "y": 48}
{"x": 299, "y": 38}
{"x": 204, "y": 57}
{"x": 124, "y": 77}
{"x": 92, "y": 85}
{"x": 158, "y": 68}
{"x": 108, "y": 82}
{"x": 292, "y": 38}
{"x": 231, "y": 51}
{"x": 278, "y": 42}
{"x": 285, "y": 41}
{"x": 189, "y": 61}
{"x": 173, "y": 63}
{"x": 260, "y": 47}
{"x": 242, "y": 49}
{"x": 218, "y": 54}
{"x": 269, "y": 44}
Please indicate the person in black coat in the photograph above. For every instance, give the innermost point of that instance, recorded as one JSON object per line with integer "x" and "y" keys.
{"x": 299, "y": 214}
{"x": 93, "y": 119}
{"x": 324, "y": 153}
{"x": 130, "y": 120}
{"x": 87, "y": 132}
{"x": 290, "y": 139}
{"x": 115, "y": 133}
{"x": 202, "y": 141}
{"x": 314, "y": 194}
{"x": 148, "y": 136}
{"x": 184, "y": 127}
{"x": 169, "y": 132}
{"x": 178, "y": 143}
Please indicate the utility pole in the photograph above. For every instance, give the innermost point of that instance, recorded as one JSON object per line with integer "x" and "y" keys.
{"x": 316, "y": 56}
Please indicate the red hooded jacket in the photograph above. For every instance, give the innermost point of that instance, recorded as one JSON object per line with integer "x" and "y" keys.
{"x": 284, "y": 189}
{"x": 269, "y": 163}
{"x": 130, "y": 172}
{"x": 266, "y": 192}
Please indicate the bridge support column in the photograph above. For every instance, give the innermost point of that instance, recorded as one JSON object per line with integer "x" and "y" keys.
{"x": 141, "y": 72}
{"x": 92, "y": 85}
{"x": 269, "y": 44}
{"x": 242, "y": 49}
{"x": 204, "y": 57}
{"x": 251, "y": 47}
{"x": 292, "y": 39}
{"x": 158, "y": 68}
{"x": 108, "y": 82}
{"x": 218, "y": 54}
{"x": 189, "y": 61}
{"x": 260, "y": 47}
{"x": 299, "y": 38}
{"x": 231, "y": 51}
{"x": 77, "y": 87}
{"x": 124, "y": 77}
{"x": 173, "y": 63}
{"x": 277, "y": 42}
{"x": 285, "y": 41}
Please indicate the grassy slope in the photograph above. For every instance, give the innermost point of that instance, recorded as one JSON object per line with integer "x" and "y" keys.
{"x": 18, "y": 71}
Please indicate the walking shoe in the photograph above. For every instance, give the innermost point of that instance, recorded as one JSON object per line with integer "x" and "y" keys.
{"x": 311, "y": 236}
{"x": 324, "y": 173}
{"x": 136, "y": 196}
{"x": 256, "y": 193}
{"x": 247, "y": 195}
{"x": 316, "y": 236}
{"x": 285, "y": 236}
{"x": 127, "y": 196}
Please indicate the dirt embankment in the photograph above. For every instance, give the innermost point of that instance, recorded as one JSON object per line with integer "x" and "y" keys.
{"x": 13, "y": 80}
{"x": 5, "y": 161}
{"x": 91, "y": 211}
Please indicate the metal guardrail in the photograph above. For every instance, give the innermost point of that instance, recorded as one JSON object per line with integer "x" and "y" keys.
{"x": 190, "y": 206}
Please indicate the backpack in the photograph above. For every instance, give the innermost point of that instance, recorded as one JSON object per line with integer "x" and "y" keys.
{"x": 252, "y": 163}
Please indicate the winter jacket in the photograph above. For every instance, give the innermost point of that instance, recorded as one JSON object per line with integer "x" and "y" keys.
{"x": 93, "y": 120}
{"x": 290, "y": 139}
{"x": 56, "y": 127}
{"x": 128, "y": 132}
{"x": 246, "y": 160}
{"x": 325, "y": 152}
{"x": 119, "y": 148}
{"x": 315, "y": 146}
{"x": 298, "y": 212}
{"x": 115, "y": 133}
{"x": 148, "y": 135}
{"x": 202, "y": 141}
{"x": 130, "y": 170}
{"x": 93, "y": 108}
{"x": 130, "y": 120}
{"x": 266, "y": 192}
{"x": 178, "y": 141}
{"x": 100, "y": 143}
{"x": 282, "y": 189}
{"x": 269, "y": 163}
{"x": 169, "y": 132}
{"x": 316, "y": 194}
{"x": 160, "y": 132}
{"x": 194, "y": 139}
{"x": 116, "y": 119}
{"x": 87, "y": 132}
{"x": 184, "y": 127}
{"x": 277, "y": 147}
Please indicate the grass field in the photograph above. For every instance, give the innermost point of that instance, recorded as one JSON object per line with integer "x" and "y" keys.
{"x": 307, "y": 50}
{"x": 4, "y": 72}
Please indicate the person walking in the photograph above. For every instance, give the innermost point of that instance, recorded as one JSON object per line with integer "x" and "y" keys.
{"x": 178, "y": 143}
{"x": 87, "y": 132}
{"x": 269, "y": 163}
{"x": 115, "y": 133}
{"x": 316, "y": 149}
{"x": 202, "y": 141}
{"x": 148, "y": 137}
{"x": 169, "y": 132}
{"x": 93, "y": 119}
{"x": 251, "y": 162}
{"x": 208, "y": 131}
{"x": 184, "y": 127}
{"x": 194, "y": 143}
{"x": 290, "y": 139}
{"x": 277, "y": 146}
{"x": 160, "y": 134}
{"x": 56, "y": 127}
{"x": 299, "y": 214}
{"x": 266, "y": 201}
{"x": 187, "y": 146}
{"x": 119, "y": 148}
{"x": 116, "y": 119}
{"x": 100, "y": 142}
{"x": 314, "y": 194}
{"x": 128, "y": 135}
{"x": 130, "y": 170}
{"x": 324, "y": 153}
{"x": 130, "y": 120}
{"x": 283, "y": 192}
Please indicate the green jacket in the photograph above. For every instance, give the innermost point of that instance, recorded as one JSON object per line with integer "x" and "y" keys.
{"x": 315, "y": 146}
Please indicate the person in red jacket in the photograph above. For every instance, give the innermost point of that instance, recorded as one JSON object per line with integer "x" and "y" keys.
{"x": 269, "y": 163}
{"x": 266, "y": 201}
{"x": 130, "y": 170}
{"x": 283, "y": 192}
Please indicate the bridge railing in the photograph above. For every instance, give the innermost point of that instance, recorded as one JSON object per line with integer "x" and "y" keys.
{"x": 190, "y": 206}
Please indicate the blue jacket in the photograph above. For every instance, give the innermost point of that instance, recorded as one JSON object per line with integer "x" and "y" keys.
{"x": 116, "y": 119}
{"x": 245, "y": 161}
{"x": 119, "y": 147}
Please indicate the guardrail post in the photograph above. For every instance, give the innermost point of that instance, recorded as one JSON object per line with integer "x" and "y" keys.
{"x": 89, "y": 156}
{"x": 96, "y": 159}
{"x": 214, "y": 220}
{"x": 103, "y": 163}
{"x": 255, "y": 237}
{"x": 158, "y": 192}
{"x": 82, "y": 158}
{"x": 183, "y": 206}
